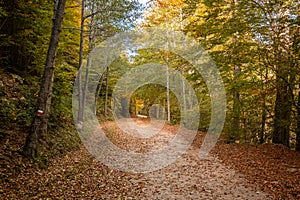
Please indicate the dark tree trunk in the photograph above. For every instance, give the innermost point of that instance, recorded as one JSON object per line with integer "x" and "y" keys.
{"x": 99, "y": 87}
{"x": 298, "y": 124}
{"x": 284, "y": 81}
{"x": 263, "y": 121}
{"x": 236, "y": 107}
{"x": 40, "y": 122}
{"x": 85, "y": 89}
{"x": 264, "y": 112}
{"x": 283, "y": 106}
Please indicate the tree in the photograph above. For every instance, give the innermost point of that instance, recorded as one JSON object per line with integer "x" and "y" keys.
{"x": 284, "y": 80}
{"x": 167, "y": 15}
{"x": 255, "y": 47}
{"x": 40, "y": 120}
{"x": 24, "y": 31}
{"x": 80, "y": 85}
{"x": 298, "y": 124}
{"x": 262, "y": 50}
{"x": 223, "y": 31}
{"x": 106, "y": 91}
{"x": 104, "y": 18}
{"x": 271, "y": 22}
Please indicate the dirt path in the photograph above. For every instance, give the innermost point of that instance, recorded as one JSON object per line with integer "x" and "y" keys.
{"x": 189, "y": 177}
{"x": 78, "y": 175}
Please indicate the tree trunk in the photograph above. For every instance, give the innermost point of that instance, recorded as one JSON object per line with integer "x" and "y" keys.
{"x": 236, "y": 107}
{"x": 183, "y": 91}
{"x": 297, "y": 63}
{"x": 298, "y": 123}
{"x": 157, "y": 111}
{"x": 168, "y": 91}
{"x": 264, "y": 112}
{"x": 283, "y": 108}
{"x": 284, "y": 81}
{"x": 106, "y": 92}
{"x": 124, "y": 107}
{"x": 236, "y": 93}
{"x": 263, "y": 121}
{"x": 39, "y": 125}
{"x": 98, "y": 93}
{"x": 85, "y": 88}
{"x": 80, "y": 86}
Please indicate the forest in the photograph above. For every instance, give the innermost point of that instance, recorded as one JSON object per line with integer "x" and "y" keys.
{"x": 82, "y": 78}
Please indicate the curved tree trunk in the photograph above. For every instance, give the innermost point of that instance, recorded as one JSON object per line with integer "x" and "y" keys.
{"x": 40, "y": 120}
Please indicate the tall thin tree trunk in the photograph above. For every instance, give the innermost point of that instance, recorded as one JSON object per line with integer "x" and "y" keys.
{"x": 168, "y": 78}
{"x": 263, "y": 121}
{"x": 297, "y": 63}
{"x": 168, "y": 91}
{"x": 183, "y": 91}
{"x": 264, "y": 113}
{"x": 85, "y": 86}
{"x": 106, "y": 92}
{"x": 80, "y": 86}
{"x": 90, "y": 46}
{"x": 298, "y": 123}
{"x": 183, "y": 70}
{"x": 236, "y": 93}
{"x": 236, "y": 107}
{"x": 157, "y": 111}
{"x": 164, "y": 111}
{"x": 39, "y": 125}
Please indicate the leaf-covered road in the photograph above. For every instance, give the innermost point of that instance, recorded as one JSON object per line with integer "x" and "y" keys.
{"x": 78, "y": 175}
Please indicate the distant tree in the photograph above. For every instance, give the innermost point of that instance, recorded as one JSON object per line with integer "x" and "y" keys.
{"x": 254, "y": 47}
{"x": 104, "y": 19}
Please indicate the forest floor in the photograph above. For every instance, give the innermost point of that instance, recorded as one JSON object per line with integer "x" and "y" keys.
{"x": 231, "y": 171}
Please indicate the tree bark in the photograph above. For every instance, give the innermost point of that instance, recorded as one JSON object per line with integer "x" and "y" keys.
{"x": 106, "y": 92}
{"x": 284, "y": 82}
{"x": 124, "y": 107}
{"x": 168, "y": 91}
{"x": 296, "y": 33}
{"x": 282, "y": 118}
{"x": 263, "y": 121}
{"x": 80, "y": 86}
{"x": 236, "y": 107}
{"x": 298, "y": 123}
{"x": 183, "y": 91}
{"x": 235, "y": 135}
{"x": 39, "y": 125}
{"x": 264, "y": 112}
{"x": 98, "y": 93}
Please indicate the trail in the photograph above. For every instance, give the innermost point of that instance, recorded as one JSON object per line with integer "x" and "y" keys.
{"x": 78, "y": 175}
{"x": 189, "y": 177}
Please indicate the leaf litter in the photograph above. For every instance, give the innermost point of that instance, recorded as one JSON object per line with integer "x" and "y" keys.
{"x": 232, "y": 171}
